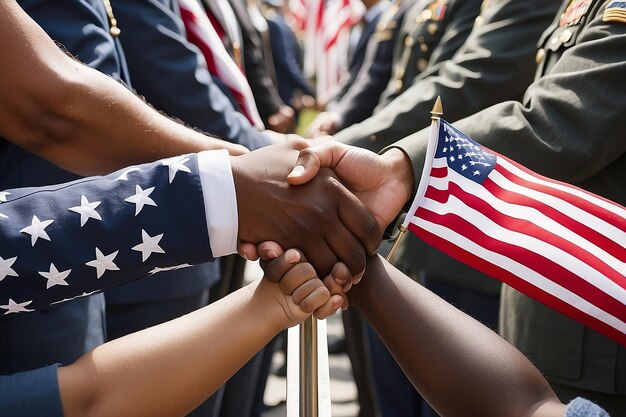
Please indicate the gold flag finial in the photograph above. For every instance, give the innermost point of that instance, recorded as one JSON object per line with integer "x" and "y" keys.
{"x": 437, "y": 110}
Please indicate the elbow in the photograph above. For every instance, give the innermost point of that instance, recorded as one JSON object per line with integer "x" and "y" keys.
{"x": 49, "y": 112}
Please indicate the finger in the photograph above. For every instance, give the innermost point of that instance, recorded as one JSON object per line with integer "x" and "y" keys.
{"x": 359, "y": 220}
{"x": 276, "y": 269}
{"x": 247, "y": 251}
{"x": 349, "y": 250}
{"x": 295, "y": 277}
{"x": 342, "y": 276}
{"x": 269, "y": 250}
{"x": 320, "y": 255}
{"x": 329, "y": 308}
{"x": 336, "y": 290}
{"x": 327, "y": 154}
{"x": 311, "y": 295}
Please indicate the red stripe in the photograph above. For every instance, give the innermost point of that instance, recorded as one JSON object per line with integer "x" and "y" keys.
{"x": 529, "y": 228}
{"x": 533, "y": 260}
{"x": 612, "y": 218}
{"x": 518, "y": 283}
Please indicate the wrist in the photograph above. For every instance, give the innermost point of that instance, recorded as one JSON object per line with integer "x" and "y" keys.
{"x": 400, "y": 172}
{"x": 266, "y": 308}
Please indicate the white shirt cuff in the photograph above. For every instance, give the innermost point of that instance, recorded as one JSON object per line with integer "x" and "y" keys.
{"x": 220, "y": 201}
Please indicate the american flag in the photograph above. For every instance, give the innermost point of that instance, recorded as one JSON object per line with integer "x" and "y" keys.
{"x": 201, "y": 33}
{"x": 556, "y": 243}
{"x": 72, "y": 240}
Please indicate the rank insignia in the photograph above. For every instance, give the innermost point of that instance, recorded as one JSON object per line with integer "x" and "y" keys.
{"x": 438, "y": 9}
{"x": 615, "y": 12}
{"x": 576, "y": 10}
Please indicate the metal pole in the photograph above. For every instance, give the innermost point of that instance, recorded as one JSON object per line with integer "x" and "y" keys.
{"x": 309, "y": 398}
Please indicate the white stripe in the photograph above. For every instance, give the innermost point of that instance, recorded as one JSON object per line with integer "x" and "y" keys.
{"x": 532, "y": 214}
{"x": 499, "y": 233}
{"x": 612, "y": 207}
{"x": 520, "y": 270}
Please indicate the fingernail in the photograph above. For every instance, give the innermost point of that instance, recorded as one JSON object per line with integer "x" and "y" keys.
{"x": 292, "y": 256}
{"x": 244, "y": 256}
{"x": 297, "y": 171}
{"x": 272, "y": 254}
{"x": 337, "y": 303}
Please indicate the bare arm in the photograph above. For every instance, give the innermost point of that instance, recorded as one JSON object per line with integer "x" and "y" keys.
{"x": 74, "y": 116}
{"x": 460, "y": 367}
{"x": 167, "y": 370}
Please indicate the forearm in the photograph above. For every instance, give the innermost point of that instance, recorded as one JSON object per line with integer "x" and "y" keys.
{"x": 461, "y": 367}
{"x": 169, "y": 369}
{"x": 74, "y": 116}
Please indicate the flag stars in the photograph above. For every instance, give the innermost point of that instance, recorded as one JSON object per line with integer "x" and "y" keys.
{"x": 141, "y": 198}
{"x": 176, "y": 164}
{"x": 13, "y": 307}
{"x": 3, "y": 196}
{"x": 5, "y": 268}
{"x": 445, "y": 149}
{"x": 475, "y": 173}
{"x": 452, "y": 159}
{"x": 37, "y": 230}
{"x": 86, "y": 210}
{"x": 463, "y": 167}
{"x": 55, "y": 277}
{"x": 103, "y": 263}
{"x": 149, "y": 245}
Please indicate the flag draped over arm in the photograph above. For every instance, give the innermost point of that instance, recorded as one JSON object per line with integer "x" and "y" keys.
{"x": 554, "y": 242}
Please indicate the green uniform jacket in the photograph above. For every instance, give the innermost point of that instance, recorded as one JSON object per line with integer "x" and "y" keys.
{"x": 570, "y": 126}
{"x": 496, "y": 63}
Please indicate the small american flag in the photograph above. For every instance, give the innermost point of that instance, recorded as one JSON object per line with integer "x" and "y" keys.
{"x": 556, "y": 243}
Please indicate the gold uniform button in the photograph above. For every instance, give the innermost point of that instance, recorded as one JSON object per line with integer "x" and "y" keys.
{"x": 408, "y": 41}
{"x": 422, "y": 63}
{"x": 423, "y": 47}
{"x": 115, "y": 31}
{"x": 399, "y": 85}
{"x": 432, "y": 28}
{"x": 565, "y": 36}
{"x": 373, "y": 138}
{"x": 541, "y": 54}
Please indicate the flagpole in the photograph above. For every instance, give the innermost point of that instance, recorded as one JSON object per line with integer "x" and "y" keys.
{"x": 435, "y": 117}
{"x": 308, "y": 368}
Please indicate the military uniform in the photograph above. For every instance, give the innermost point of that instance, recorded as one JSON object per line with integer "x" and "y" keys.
{"x": 496, "y": 63}
{"x": 569, "y": 126}
{"x": 432, "y": 32}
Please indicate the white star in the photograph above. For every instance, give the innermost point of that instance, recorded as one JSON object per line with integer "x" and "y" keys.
{"x": 14, "y": 307}
{"x": 103, "y": 263}
{"x": 3, "y": 196}
{"x": 86, "y": 210}
{"x": 37, "y": 230}
{"x": 176, "y": 164}
{"x": 124, "y": 176}
{"x": 149, "y": 245}
{"x": 169, "y": 268}
{"x": 55, "y": 277}
{"x": 452, "y": 159}
{"x": 476, "y": 172}
{"x": 5, "y": 268}
{"x": 141, "y": 198}
{"x": 463, "y": 167}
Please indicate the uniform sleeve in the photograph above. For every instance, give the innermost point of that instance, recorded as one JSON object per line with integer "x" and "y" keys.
{"x": 570, "y": 125}
{"x": 172, "y": 74}
{"x": 497, "y": 63}
{"x": 31, "y": 393}
{"x": 74, "y": 239}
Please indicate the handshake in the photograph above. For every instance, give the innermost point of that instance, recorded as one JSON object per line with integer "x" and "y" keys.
{"x": 329, "y": 200}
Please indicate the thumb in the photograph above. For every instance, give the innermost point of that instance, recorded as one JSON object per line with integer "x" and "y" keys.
{"x": 325, "y": 155}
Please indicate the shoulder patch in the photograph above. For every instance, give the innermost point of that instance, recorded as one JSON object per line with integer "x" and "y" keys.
{"x": 615, "y": 12}
{"x": 438, "y": 9}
